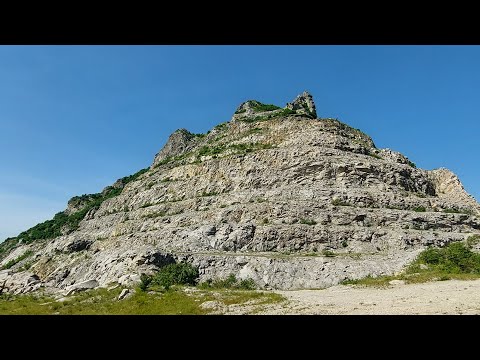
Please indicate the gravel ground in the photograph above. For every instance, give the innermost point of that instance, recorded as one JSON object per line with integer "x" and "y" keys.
{"x": 441, "y": 297}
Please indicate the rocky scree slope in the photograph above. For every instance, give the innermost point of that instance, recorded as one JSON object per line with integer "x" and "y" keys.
{"x": 275, "y": 194}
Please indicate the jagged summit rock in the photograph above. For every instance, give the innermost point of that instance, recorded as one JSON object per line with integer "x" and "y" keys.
{"x": 251, "y": 110}
{"x": 269, "y": 196}
{"x": 303, "y": 104}
{"x": 179, "y": 141}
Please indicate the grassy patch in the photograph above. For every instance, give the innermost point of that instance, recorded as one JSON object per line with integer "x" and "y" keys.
{"x": 231, "y": 282}
{"x": 237, "y": 149}
{"x": 284, "y": 112}
{"x": 211, "y": 150}
{"x": 249, "y": 147}
{"x": 255, "y": 130}
{"x": 235, "y": 297}
{"x": 371, "y": 281}
{"x": 308, "y": 222}
{"x": 172, "y": 159}
{"x": 15, "y": 261}
{"x": 103, "y": 302}
{"x": 454, "y": 261}
{"x": 155, "y": 215}
{"x": 259, "y": 107}
{"x": 176, "y": 300}
{"x": 328, "y": 253}
{"x": 419, "y": 209}
{"x": 457, "y": 211}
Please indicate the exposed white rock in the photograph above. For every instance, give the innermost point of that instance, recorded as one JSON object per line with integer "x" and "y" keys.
{"x": 289, "y": 201}
{"x": 125, "y": 294}
{"x": 81, "y": 286}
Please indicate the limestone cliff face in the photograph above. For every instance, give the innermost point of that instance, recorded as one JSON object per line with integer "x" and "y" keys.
{"x": 179, "y": 142}
{"x": 448, "y": 186}
{"x": 263, "y": 197}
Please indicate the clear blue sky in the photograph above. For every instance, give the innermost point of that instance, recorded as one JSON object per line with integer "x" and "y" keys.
{"x": 73, "y": 119}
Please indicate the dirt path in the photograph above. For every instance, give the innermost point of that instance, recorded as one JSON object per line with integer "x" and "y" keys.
{"x": 441, "y": 297}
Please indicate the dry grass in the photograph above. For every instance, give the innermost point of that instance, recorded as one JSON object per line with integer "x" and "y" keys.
{"x": 104, "y": 302}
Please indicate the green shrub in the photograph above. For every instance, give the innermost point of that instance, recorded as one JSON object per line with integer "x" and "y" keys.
{"x": 419, "y": 209}
{"x": 223, "y": 125}
{"x": 454, "y": 261}
{"x": 430, "y": 256}
{"x": 230, "y": 282}
{"x": 455, "y": 258}
{"x": 472, "y": 241}
{"x": 286, "y": 112}
{"x": 175, "y": 274}
{"x": 247, "y": 284}
{"x": 145, "y": 281}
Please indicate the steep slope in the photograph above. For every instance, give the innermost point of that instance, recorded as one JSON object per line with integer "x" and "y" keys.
{"x": 275, "y": 195}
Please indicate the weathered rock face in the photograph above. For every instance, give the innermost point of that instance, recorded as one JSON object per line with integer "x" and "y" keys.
{"x": 77, "y": 203}
{"x": 448, "y": 186}
{"x": 304, "y": 104}
{"x": 179, "y": 142}
{"x": 284, "y": 199}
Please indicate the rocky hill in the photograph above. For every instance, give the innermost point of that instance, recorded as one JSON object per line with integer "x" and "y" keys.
{"x": 275, "y": 194}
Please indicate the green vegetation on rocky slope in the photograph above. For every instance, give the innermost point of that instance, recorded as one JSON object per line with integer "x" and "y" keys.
{"x": 454, "y": 261}
{"x": 63, "y": 223}
{"x": 177, "y": 300}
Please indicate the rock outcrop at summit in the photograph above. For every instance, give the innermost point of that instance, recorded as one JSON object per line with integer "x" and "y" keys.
{"x": 276, "y": 195}
{"x": 303, "y": 104}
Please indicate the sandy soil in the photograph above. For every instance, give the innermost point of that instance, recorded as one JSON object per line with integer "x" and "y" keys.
{"x": 441, "y": 297}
